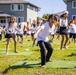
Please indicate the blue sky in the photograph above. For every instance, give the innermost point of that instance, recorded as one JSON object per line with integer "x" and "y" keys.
{"x": 49, "y": 6}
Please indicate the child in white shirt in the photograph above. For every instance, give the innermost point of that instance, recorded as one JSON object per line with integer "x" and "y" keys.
{"x": 43, "y": 41}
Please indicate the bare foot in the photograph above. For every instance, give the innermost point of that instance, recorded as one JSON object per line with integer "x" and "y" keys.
{"x": 43, "y": 66}
{"x": 61, "y": 48}
{"x": 16, "y": 51}
{"x": 7, "y": 53}
{"x": 65, "y": 47}
{"x": 50, "y": 61}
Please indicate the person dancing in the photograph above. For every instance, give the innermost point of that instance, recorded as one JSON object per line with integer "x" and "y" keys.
{"x": 43, "y": 41}
{"x": 63, "y": 29}
{"x": 10, "y": 30}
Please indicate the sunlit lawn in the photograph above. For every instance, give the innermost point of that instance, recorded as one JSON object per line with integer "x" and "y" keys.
{"x": 7, "y": 60}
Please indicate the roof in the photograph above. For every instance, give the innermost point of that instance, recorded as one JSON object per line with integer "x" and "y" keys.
{"x": 2, "y": 14}
{"x": 68, "y": 0}
{"x": 16, "y": 1}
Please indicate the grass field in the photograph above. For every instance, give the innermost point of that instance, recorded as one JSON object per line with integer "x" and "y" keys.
{"x": 7, "y": 60}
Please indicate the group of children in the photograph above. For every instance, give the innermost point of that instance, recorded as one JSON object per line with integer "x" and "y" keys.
{"x": 41, "y": 32}
{"x": 12, "y": 30}
{"x": 64, "y": 29}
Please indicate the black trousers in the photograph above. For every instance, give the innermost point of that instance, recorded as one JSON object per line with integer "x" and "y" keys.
{"x": 45, "y": 56}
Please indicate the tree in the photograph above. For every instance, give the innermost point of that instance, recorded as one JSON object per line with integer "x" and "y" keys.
{"x": 45, "y": 16}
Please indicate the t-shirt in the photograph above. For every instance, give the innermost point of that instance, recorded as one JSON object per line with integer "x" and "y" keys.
{"x": 33, "y": 28}
{"x": 43, "y": 35}
{"x": 71, "y": 30}
{"x": 20, "y": 31}
{"x": 52, "y": 31}
{"x": 63, "y": 23}
{"x": 11, "y": 30}
{"x": 74, "y": 27}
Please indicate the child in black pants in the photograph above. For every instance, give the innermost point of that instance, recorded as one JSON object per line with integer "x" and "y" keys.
{"x": 43, "y": 41}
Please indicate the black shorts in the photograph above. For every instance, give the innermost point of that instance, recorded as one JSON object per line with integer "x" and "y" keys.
{"x": 10, "y": 35}
{"x": 71, "y": 35}
{"x": 52, "y": 35}
{"x": 74, "y": 35}
{"x": 19, "y": 35}
{"x": 25, "y": 32}
{"x": 32, "y": 34}
{"x": 63, "y": 30}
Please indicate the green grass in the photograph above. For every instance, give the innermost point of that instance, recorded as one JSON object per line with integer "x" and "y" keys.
{"x": 6, "y": 61}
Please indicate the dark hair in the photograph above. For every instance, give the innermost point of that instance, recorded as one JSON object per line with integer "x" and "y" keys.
{"x": 52, "y": 15}
{"x": 62, "y": 16}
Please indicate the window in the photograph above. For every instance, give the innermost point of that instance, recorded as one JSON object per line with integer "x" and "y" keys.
{"x": 73, "y": 17}
{"x": 17, "y": 7}
{"x": 20, "y": 19}
{"x": 2, "y": 21}
{"x": 74, "y": 4}
{"x": 14, "y": 7}
{"x": 21, "y": 7}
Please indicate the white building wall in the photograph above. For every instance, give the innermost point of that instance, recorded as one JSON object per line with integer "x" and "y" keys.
{"x": 31, "y": 15}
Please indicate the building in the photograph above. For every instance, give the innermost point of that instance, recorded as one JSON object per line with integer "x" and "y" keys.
{"x": 3, "y": 18}
{"x": 71, "y": 7}
{"x": 23, "y": 10}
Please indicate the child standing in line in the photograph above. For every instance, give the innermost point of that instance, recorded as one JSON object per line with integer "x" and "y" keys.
{"x": 43, "y": 41}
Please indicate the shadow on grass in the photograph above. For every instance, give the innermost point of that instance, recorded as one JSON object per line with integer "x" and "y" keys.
{"x": 24, "y": 65}
{"x": 72, "y": 54}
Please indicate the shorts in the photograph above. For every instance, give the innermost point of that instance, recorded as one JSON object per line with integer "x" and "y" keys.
{"x": 71, "y": 35}
{"x": 32, "y": 34}
{"x": 63, "y": 30}
{"x": 74, "y": 35}
{"x": 52, "y": 35}
{"x": 10, "y": 35}
{"x": 25, "y": 32}
{"x": 19, "y": 35}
